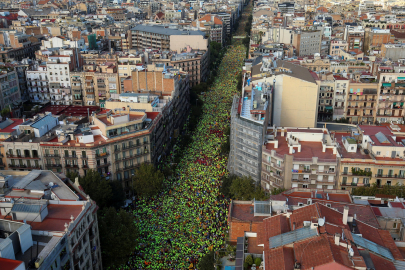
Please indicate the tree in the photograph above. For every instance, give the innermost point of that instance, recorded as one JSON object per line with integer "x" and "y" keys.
{"x": 118, "y": 236}
{"x": 117, "y": 194}
{"x": 5, "y": 112}
{"x": 226, "y": 185}
{"x": 147, "y": 180}
{"x": 207, "y": 262}
{"x": 249, "y": 259}
{"x": 276, "y": 191}
{"x": 96, "y": 187}
{"x": 244, "y": 188}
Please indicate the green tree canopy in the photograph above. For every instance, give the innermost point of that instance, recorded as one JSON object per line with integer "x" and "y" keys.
{"x": 207, "y": 262}
{"x": 96, "y": 187}
{"x": 242, "y": 188}
{"x": 147, "y": 180}
{"x": 118, "y": 236}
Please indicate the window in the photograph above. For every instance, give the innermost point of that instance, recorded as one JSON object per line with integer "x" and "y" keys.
{"x": 378, "y": 153}
{"x": 388, "y": 183}
{"x": 344, "y": 180}
{"x": 394, "y": 225}
{"x": 300, "y": 204}
{"x": 304, "y": 186}
{"x": 366, "y": 181}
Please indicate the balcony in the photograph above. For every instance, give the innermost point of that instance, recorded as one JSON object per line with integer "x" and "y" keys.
{"x": 53, "y": 165}
{"x": 70, "y": 157}
{"x": 52, "y": 155}
{"x": 19, "y": 166}
{"x": 101, "y": 155}
{"x": 103, "y": 165}
{"x": 22, "y": 157}
{"x": 71, "y": 165}
{"x": 401, "y": 176}
{"x": 325, "y": 172}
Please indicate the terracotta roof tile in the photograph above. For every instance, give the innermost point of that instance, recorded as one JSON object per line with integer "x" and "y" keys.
{"x": 389, "y": 243}
{"x": 300, "y": 215}
{"x": 313, "y": 252}
{"x": 381, "y": 263}
{"x": 273, "y": 226}
{"x": 281, "y": 258}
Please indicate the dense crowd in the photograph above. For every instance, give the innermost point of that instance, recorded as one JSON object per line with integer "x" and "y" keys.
{"x": 189, "y": 217}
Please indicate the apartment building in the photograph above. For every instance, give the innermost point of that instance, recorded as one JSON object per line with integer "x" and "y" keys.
{"x": 326, "y": 98}
{"x": 340, "y": 96}
{"x": 336, "y": 45}
{"x": 37, "y": 81}
{"x": 354, "y": 35}
{"x": 44, "y": 221}
{"x": 379, "y": 159}
{"x": 316, "y": 64}
{"x": 374, "y": 38}
{"x": 391, "y": 97}
{"x": 138, "y": 128}
{"x": 250, "y": 116}
{"x": 213, "y": 27}
{"x": 286, "y": 7}
{"x": 58, "y": 69}
{"x": 362, "y": 103}
{"x": 299, "y": 157}
{"x": 164, "y": 38}
{"x": 97, "y": 82}
{"x": 295, "y": 96}
{"x": 393, "y": 51}
{"x": 307, "y": 42}
{"x": 195, "y": 63}
{"x": 10, "y": 90}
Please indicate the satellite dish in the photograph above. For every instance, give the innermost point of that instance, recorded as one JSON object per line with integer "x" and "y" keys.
{"x": 50, "y": 184}
{"x": 321, "y": 222}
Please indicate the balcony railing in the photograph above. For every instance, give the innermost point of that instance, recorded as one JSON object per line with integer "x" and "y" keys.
{"x": 50, "y": 165}
{"x": 24, "y": 166}
{"x": 71, "y": 156}
{"x": 22, "y": 156}
{"x": 71, "y": 165}
{"x": 103, "y": 165}
{"x": 100, "y": 155}
{"x": 52, "y": 155}
{"x": 390, "y": 175}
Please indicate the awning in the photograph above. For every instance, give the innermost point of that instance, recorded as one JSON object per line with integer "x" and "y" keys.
{"x": 328, "y": 107}
{"x": 386, "y": 84}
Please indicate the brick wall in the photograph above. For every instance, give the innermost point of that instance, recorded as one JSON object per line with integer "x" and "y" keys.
{"x": 154, "y": 79}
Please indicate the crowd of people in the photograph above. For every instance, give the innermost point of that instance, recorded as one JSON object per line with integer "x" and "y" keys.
{"x": 188, "y": 218}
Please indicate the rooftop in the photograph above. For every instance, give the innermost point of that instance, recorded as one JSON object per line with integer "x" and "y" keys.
{"x": 162, "y": 30}
{"x": 70, "y": 110}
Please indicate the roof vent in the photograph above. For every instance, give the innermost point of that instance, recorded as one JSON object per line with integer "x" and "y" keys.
{"x": 307, "y": 223}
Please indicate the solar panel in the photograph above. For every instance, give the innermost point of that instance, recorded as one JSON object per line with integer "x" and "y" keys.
{"x": 372, "y": 247}
{"x": 381, "y": 137}
{"x": 291, "y": 237}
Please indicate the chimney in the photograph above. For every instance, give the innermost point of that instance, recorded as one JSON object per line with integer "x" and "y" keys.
{"x": 345, "y": 214}
{"x": 337, "y": 239}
